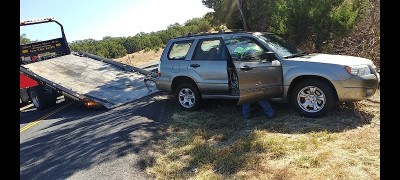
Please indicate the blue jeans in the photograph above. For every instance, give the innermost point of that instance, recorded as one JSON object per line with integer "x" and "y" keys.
{"x": 263, "y": 103}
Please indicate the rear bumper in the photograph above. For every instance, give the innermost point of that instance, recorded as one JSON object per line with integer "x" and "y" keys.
{"x": 163, "y": 84}
{"x": 357, "y": 88}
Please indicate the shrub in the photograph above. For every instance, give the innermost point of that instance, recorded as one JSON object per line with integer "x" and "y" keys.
{"x": 318, "y": 21}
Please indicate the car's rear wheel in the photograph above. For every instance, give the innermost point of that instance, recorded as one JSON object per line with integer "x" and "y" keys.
{"x": 312, "y": 98}
{"x": 188, "y": 97}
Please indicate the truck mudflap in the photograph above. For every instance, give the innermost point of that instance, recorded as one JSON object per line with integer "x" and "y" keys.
{"x": 89, "y": 77}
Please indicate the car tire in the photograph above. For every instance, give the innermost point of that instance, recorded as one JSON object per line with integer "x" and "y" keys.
{"x": 188, "y": 97}
{"x": 312, "y": 98}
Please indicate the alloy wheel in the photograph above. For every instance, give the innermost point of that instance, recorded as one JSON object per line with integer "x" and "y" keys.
{"x": 187, "y": 97}
{"x": 311, "y": 99}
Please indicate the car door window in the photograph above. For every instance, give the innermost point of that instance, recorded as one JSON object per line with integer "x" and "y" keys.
{"x": 243, "y": 48}
{"x": 179, "y": 50}
{"x": 209, "y": 49}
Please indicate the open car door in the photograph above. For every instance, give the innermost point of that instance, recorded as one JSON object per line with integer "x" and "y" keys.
{"x": 259, "y": 72}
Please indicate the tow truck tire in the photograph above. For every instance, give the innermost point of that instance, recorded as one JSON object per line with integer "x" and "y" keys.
{"x": 41, "y": 98}
{"x": 188, "y": 97}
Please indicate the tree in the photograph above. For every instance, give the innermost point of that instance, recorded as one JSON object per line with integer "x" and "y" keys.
{"x": 225, "y": 12}
{"x": 106, "y": 48}
{"x": 249, "y": 15}
{"x": 197, "y": 25}
{"x": 106, "y": 37}
{"x": 315, "y": 20}
{"x": 114, "y": 47}
{"x": 239, "y": 4}
{"x": 23, "y": 39}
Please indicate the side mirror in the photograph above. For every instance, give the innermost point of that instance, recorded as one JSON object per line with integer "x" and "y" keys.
{"x": 269, "y": 56}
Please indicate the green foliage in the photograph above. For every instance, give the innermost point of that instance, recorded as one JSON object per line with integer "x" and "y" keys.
{"x": 147, "y": 49}
{"x": 115, "y": 47}
{"x": 108, "y": 48}
{"x": 315, "y": 20}
{"x": 257, "y": 13}
{"x": 225, "y": 12}
{"x": 23, "y": 39}
{"x": 348, "y": 14}
{"x": 195, "y": 25}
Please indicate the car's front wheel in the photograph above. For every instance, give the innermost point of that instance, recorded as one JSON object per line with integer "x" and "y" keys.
{"x": 188, "y": 97}
{"x": 313, "y": 98}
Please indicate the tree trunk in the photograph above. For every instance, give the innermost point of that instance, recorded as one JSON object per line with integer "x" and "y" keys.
{"x": 318, "y": 45}
{"x": 239, "y": 4}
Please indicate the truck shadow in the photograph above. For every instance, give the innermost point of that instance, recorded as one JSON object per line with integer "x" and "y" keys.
{"x": 94, "y": 137}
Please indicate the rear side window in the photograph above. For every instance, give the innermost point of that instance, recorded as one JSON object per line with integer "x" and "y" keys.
{"x": 179, "y": 50}
{"x": 209, "y": 49}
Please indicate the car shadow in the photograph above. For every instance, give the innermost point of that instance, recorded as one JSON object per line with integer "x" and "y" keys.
{"x": 287, "y": 120}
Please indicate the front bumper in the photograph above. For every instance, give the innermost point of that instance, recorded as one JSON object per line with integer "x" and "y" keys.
{"x": 357, "y": 88}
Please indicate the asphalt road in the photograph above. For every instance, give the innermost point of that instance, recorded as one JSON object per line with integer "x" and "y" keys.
{"x": 76, "y": 142}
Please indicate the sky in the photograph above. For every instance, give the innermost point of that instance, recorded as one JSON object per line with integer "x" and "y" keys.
{"x": 95, "y": 19}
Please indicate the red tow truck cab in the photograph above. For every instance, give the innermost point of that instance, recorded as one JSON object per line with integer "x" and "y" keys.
{"x": 24, "y": 84}
{"x": 24, "y": 81}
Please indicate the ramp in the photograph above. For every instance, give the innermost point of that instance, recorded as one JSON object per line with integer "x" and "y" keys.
{"x": 106, "y": 83}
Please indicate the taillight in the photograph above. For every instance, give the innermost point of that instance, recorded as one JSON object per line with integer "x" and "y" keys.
{"x": 93, "y": 104}
{"x": 158, "y": 74}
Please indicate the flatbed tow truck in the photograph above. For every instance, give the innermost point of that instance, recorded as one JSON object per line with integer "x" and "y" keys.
{"x": 49, "y": 69}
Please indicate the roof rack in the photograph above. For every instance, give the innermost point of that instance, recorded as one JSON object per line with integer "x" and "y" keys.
{"x": 233, "y": 31}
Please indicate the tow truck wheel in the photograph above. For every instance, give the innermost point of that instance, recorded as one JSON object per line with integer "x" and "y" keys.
{"x": 41, "y": 98}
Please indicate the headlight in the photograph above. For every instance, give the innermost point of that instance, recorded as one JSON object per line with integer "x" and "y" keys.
{"x": 358, "y": 70}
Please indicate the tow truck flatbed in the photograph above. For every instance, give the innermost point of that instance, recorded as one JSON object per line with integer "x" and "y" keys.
{"x": 81, "y": 76}
{"x": 85, "y": 77}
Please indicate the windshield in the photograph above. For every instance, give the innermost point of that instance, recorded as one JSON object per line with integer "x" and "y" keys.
{"x": 280, "y": 46}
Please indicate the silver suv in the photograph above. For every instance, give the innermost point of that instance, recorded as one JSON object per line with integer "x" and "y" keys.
{"x": 250, "y": 66}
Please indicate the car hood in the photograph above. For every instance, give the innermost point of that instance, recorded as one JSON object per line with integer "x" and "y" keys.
{"x": 332, "y": 59}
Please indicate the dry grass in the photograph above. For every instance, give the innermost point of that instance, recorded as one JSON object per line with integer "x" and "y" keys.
{"x": 140, "y": 57}
{"x": 217, "y": 143}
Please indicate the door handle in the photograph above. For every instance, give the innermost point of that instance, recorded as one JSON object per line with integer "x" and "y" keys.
{"x": 246, "y": 68}
{"x": 195, "y": 65}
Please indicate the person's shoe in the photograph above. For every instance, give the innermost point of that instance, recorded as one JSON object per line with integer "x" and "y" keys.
{"x": 246, "y": 117}
{"x": 270, "y": 117}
